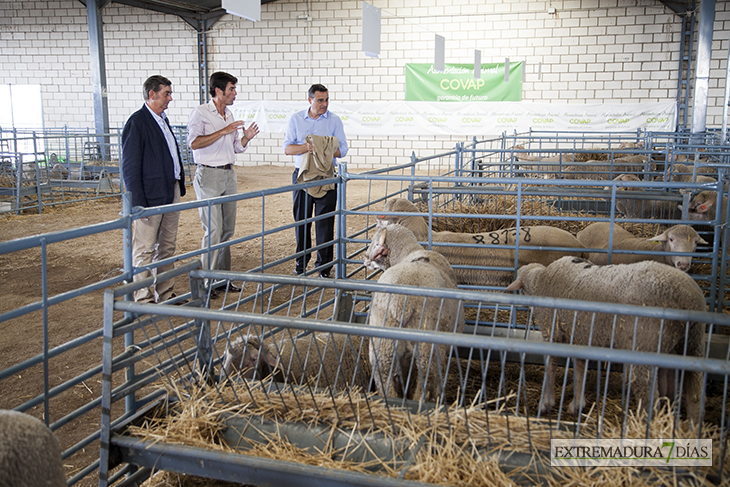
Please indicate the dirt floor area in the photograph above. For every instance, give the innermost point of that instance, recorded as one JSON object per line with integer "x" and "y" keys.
{"x": 87, "y": 260}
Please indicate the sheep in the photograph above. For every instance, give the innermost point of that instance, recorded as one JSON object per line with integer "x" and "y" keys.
{"x": 546, "y": 163}
{"x": 58, "y": 172}
{"x": 684, "y": 174}
{"x": 702, "y": 207}
{"x": 678, "y": 238}
{"x": 319, "y": 359}
{"x": 631, "y": 145}
{"x": 594, "y": 170}
{"x": 30, "y": 454}
{"x": 644, "y": 208}
{"x": 407, "y": 263}
{"x": 646, "y": 283}
{"x": 538, "y": 236}
{"x": 380, "y": 255}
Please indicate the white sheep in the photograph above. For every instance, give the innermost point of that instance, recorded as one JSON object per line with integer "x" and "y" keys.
{"x": 683, "y": 173}
{"x": 318, "y": 359}
{"x": 703, "y": 206}
{"x": 538, "y": 236}
{"x": 604, "y": 170}
{"x": 392, "y": 360}
{"x": 643, "y": 208}
{"x": 30, "y": 454}
{"x": 645, "y": 283}
{"x": 380, "y": 255}
{"x": 678, "y": 238}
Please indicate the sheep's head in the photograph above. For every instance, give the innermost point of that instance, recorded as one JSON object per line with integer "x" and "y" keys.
{"x": 416, "y": 224}
{"x": 376, "y": 257}
{"x": 249, "y": 356}
{"x": 702, "y": 206}
{"x": 526, "y": 276}
{"x": 679, "y": 238}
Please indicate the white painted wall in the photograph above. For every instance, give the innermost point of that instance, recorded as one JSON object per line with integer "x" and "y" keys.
{"x": 591, "y": 51}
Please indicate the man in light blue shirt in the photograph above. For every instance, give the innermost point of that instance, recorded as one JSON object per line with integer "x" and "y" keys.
{"x": 315, "y": 120}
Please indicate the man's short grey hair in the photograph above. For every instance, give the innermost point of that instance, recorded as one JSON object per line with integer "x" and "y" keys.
{"x": 154, "y": 83}
{"x": 314, "y": 88}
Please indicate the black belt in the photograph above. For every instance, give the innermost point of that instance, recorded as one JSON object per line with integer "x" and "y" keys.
{"x": 227, "y": 166}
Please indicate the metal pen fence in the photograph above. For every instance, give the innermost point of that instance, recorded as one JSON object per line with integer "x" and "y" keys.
{"x": 505, "y": 373}
{"x": 45, "y": 376}
{"x": 53, "y": 167}
{"x": 304, "y": 378}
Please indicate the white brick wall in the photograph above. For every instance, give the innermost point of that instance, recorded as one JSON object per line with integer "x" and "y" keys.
{"x": 591, "y": 52}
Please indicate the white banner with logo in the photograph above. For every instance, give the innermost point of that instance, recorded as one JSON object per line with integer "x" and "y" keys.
{"x": 629, "y": 452}
{"x": 468, "y": 119}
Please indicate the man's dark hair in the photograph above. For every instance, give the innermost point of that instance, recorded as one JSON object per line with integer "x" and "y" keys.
{"x": 220, "y": 80}
{"x": 154, "y": 83}
{"x": 317, "y": 87}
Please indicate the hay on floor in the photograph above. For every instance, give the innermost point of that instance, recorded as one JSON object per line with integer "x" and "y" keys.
{"x": 462, "y": 445}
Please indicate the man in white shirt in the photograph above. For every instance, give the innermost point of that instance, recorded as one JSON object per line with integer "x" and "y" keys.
{"x": 154, "y": 176}
{"x": 213, "y": 137}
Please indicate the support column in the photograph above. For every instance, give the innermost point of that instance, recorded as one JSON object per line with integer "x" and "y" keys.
{"x": 203, "y": 61}
{"x": 98, "y": 73}
{"x": 702, "y": 69}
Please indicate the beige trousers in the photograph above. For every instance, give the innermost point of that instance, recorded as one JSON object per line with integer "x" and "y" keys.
{"x": 153, "y": 240}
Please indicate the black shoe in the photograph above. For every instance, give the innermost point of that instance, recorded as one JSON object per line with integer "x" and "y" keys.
{"x": 298, "y": 272}
{"x": 213, "y": 293}
{"x": 232, "y": 288}
{"x": 179, "y": 303}
{"x": 325, "y": 275}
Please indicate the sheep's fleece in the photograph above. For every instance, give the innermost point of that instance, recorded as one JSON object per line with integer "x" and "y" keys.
{"x": 30, "y": 454}
{"x": 645, "y": 283}
{"x": 481, "y": 251}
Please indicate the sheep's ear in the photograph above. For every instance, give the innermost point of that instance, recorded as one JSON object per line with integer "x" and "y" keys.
{"x": 379, "y": 238}
{"x": 662, "y": 237}
{"x": 515, "y": 286}
{"x": 702, "y": 241}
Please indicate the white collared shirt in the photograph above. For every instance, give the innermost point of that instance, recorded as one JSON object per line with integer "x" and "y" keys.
{"x": 169, "y": 137}
{"x": 205, "y": 120}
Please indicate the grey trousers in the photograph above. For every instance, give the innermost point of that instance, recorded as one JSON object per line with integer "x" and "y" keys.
{"x": 153, "y": 240}
{"x": 210, "y": 183}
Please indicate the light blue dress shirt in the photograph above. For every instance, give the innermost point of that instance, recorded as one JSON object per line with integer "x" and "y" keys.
{"x": 301, "y": 124}
{"x": 169, "y": 137}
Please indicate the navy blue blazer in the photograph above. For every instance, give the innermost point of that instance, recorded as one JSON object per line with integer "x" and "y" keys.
{"x": 147, "y": 166}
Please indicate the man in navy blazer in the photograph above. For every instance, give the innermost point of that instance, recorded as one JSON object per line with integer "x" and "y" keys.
{"x": 153, "y": 173}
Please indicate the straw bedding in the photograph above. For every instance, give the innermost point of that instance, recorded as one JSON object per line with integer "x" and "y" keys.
{"x": 461, "y": 443}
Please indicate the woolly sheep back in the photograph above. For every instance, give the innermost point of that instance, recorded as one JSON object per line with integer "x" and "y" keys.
{"x": 30, "y": 454}
{"x": 644, "y": 283}
{"x": 538, "y": 236}
{"x": 678, "y": 238}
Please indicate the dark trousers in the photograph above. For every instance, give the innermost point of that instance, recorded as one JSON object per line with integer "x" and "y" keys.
{"x": 324, "y": 229}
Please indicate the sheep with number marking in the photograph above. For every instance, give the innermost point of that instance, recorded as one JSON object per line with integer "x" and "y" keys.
{"x": 678, "y": 238}
{"x": 395, "y": 249}
{"x": 481, "y": 251}
{"x": 645, "y": 283}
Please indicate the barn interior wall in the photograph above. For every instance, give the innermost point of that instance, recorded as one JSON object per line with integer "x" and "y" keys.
{"x": 590, "y": 52}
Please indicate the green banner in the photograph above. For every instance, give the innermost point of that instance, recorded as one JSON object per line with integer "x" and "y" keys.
{"x": 457, "y": 83}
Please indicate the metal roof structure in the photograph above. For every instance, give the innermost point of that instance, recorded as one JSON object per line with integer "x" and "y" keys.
{"x": 193, "y": 12}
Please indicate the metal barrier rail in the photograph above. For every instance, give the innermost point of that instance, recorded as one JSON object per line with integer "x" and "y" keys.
{"x": 197, "y": 343}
